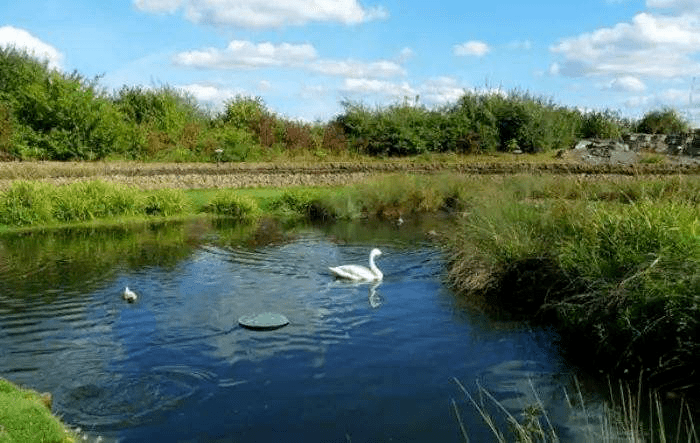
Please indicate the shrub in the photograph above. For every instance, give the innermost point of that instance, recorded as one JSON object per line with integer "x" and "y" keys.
{"x": 309, "y": 204}
{"x": 665, "y": 121}
{"x": 243, "y": 112}
{"x": 237, "y": 144}
{"x": 62, "y": 116}
{"x": 166, "y": 202}
{"x": 229, "y": 203}
{"x": 600, "y": 125}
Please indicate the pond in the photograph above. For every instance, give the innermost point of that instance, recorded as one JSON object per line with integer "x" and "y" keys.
{"x": 357, "y": 362}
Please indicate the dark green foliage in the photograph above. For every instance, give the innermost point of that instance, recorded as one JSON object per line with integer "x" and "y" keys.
{"x": 619, "y": 278}
{"x": 600, "y": 125}
{"x": 308, "y": 204}
{"x": 161, "y": 121}
{"x": 50, "y": 115}
{"x": 57, "y": 116}
{"x": 666, "y": 121}
{"x": 26, "y": 203}
{"x": 476, "y": 123}
{"x": 166, "y": 202}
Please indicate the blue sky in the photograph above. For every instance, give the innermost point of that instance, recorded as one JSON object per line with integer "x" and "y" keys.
{"x": 304, "y": 57}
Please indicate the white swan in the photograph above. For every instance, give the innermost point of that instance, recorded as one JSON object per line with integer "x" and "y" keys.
{"x": 129, "y": 295}
{"x": 360, "y": 273}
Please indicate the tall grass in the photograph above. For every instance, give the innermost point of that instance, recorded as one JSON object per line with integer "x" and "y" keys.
{"x": 625, "y": 417}
{"x": 618, "y": 276}
{"x": 28, "y": 203}
{"x": 231, "y": 204}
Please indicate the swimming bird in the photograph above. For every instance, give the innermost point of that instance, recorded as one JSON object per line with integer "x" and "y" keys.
{"x": 360, "y": 273}
{"x": 129, "y": 295}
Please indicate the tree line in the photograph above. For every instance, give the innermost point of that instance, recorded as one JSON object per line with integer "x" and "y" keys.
{"x": 50, "y": 115}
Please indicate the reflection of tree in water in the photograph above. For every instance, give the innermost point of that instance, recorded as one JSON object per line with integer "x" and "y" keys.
{"x": 34, "y": 263}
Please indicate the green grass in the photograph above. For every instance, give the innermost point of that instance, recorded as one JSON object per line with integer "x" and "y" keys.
{"x": 26, "y": 418}
{"x": 618, "y": 275}
{"x": 31, "y": 203}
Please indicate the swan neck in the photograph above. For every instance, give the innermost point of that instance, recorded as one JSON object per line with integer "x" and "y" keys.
{"x": 373, "y": 267}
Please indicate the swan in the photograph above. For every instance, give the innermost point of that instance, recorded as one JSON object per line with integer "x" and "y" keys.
{"x": 360, "y": 273}
{"x": 129, "y": 295}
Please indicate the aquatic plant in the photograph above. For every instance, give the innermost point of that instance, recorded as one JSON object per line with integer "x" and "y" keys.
{"x": 625, "y": 417}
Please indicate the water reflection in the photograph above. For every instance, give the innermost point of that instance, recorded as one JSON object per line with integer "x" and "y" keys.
{"x": 370, "y": 361}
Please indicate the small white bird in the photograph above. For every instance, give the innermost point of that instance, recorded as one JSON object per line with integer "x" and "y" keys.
{"x": 360, "y": 273}
{"x": 129, "y": 295}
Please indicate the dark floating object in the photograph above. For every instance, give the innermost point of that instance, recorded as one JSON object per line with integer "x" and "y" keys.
{"x": 264, "y": 321}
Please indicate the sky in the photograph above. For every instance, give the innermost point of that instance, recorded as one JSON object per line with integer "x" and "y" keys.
{"x": 305, "y": 58}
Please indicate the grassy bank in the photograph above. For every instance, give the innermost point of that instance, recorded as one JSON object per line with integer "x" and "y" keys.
{"x": 613, "y": 264}
{"x": 25, "y": 416}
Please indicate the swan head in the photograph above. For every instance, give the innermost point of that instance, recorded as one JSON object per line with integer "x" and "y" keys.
{"x": 375, "y": 253}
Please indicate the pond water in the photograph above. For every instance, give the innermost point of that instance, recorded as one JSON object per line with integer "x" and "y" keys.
{"x": 357, "y": 362}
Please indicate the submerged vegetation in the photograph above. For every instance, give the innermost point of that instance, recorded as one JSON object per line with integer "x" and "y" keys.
{"x": 50, "y": 115}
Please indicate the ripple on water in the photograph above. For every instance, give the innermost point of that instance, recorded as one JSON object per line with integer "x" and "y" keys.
{"x": 357, "y": 359}
{"x": 127, "y": 400}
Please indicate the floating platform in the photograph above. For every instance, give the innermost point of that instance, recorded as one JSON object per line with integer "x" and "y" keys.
{"x": 263, "y": 321}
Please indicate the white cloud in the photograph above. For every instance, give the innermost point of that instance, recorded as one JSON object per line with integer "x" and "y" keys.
{"x": 524, "y": 45}
{"x": 441, "y": 90}
{"x": 167, "y": 6}
{"x": 358, "y": 69}
{"x": 378, "y": 87}
{"x": 245, "y": 54}
{"x": 405, "y": 55}
{"x": 212, "y": 95}
{"x": 471, "y": 48}
{"x": 679, "y": 5}
{"x": 265, "y": 13}
{"x": 652, "y": 46}
{"x": 21, "y": 39}
{"x": 627, "y": 83}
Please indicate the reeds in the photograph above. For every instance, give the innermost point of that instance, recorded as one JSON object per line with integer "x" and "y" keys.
{"x": 624, "y": 418}
{"x": 618, "y": 276}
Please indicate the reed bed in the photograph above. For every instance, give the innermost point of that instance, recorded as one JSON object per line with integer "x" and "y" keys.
{"x": 626, "y": 417}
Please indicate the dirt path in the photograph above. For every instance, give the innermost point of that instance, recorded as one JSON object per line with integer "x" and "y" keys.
{"x": 237, "y": 175}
